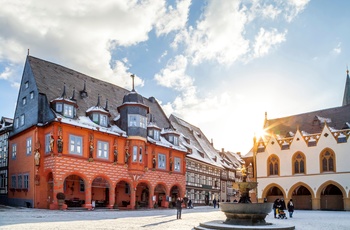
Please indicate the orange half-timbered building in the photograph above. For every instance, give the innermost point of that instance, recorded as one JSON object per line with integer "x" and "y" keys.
{"x": 97, "y": 143}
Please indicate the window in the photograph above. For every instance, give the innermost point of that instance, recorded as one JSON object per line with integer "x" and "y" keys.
{"x": 26, "y": 84}
{"x": 150, "y": 133}
{"x": 22, "y": 120}
{"x": 327, "y": 161}
{"x": 161, "y": 161}
{"x": 14, "y": 151}
{"x": 81, "y": 185}
{"x": 342, "y": 139}
{"x": 3, "y": 181}
{"x": 299, "y": 163}
{"x": 26, "y": 181}
{"x": 134, "y": 153}
{"x": 102, "y": 149}
{"x": 140, "y": 154}
{"x": 75, "y": 145}
{"x": 103, "y": 120}
{"x": 273, "y": 165}
{"x": 31, "y": 95}
{"x": 156, "y": 135}
{"x": 177, "y": 166}
{"x": 136, "y": 120}
{"x": 59, "y": 107}
{"x": 13, "y": 181}
{"x": 47, "y": 143}
{"x": 176, "y": 140}
{"x": 171, "y": 138}
{"x": 19, "y": 181}
{"x": 24, "y": 100}
{"x": 29, "y": 146}
{"x": 68, "y": 111}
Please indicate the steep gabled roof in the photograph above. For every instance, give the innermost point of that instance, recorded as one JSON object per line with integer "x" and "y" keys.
{"x": 202, "y": 149}
{"x": 50, "y": 79}
{"x": 312, "y": 122}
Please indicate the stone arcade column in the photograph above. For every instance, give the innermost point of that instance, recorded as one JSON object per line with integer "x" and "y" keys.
{"x": 111, "y": 197}
{"x": 316, "y": 203}
{"x": 150, "y": 199}
{"x": 88, "y": 204}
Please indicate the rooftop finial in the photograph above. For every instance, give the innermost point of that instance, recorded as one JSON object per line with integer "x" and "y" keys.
{"x": 106, "y": 107}
{"x": 73, "y": 97}
{"x": 98, "y": 100}
{"x": 133, "y": 82}
{"x": 64, "y": 90}
{"x": 347, "y": 70}
{"x": 28, "y": 52}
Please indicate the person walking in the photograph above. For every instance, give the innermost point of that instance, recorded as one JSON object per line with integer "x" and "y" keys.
{"x": 214, "y": 203}
{"x": 276, "y": 206}
{"x": 290, "y": 207}
{"x": 179, "y": 202}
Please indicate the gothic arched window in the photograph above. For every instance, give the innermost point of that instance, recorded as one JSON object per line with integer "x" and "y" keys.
{"x": 327, "y": 160}
{"x": 298, "y": 163}
{"x": 273, "y": 165}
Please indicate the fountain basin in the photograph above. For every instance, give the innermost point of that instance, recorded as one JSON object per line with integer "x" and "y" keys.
{"x": 246, "y": 213}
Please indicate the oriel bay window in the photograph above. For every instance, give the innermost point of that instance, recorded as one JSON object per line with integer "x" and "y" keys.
{"x": 137, "y": 154}
{"x": 136, "y": 120}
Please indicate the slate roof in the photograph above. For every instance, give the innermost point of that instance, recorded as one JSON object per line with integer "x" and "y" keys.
{"x": 202, "y": 149}
{"x": 50, "y": 79}
{"x": 311, "y": 122}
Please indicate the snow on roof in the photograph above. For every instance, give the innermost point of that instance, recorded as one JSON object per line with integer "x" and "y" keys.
{"x": 85, "y": 122}
{"x": 324, "y": 119}
{"x": 96, "y": 108}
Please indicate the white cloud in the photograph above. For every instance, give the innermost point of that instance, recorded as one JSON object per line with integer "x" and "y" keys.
{"x": 294, "y": 7}
{"x": 266, "y": 39}
{"x": 337, "y": 50}
{"x": 6, "y": 74}
{"x": 174, "y": 18}
{"x": 174, "y": 76}
{"x": 76, "y": 34}
{"x": 122, "y": 76}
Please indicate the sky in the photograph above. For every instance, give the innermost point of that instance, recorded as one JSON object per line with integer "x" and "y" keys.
{"x": 218, "y": 64}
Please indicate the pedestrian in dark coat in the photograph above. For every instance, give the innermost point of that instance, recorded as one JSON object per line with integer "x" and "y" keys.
{"x": 283, "y": 204}
{"x": 290, "y": 207}
{"x": 214, "y": 203}
{"x": 276, "y": 206}
{"x": 179, "y": 202}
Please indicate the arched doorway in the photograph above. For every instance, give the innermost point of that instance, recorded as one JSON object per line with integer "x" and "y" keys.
{"x": 302, "y": 198}
{"x": 332, "y": 198}
{"x": 174, "y": 194}
{"x": 160, "y": 193}
{"x": 273, "y": 193}
{"x": 50, "y": 197}
{"x": 142, "y": 195}
{"x": 74, "y": 189}
{"x": 122, "y": 195}
{"x": 100, "y": 192}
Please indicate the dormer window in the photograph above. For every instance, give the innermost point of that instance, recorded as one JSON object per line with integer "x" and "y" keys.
{"x": 156, "y": 135}
{"x": 59, "y": 107}
{"x": 99, "y": 118}
{"x": 68, "y": 111}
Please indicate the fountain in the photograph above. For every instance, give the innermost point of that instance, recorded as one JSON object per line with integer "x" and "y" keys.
{"x": 244, "y": 214}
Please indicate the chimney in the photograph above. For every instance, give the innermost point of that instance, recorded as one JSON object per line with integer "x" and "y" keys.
{"x": 223, "y": 150}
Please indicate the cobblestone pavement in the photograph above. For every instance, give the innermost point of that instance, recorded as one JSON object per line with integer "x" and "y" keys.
{"x": 26, "y": 218}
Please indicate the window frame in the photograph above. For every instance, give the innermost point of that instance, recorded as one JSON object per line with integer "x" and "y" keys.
{"x": 29, "y": 145}
{"x": 102, "y": 150}
{"x": 177, "y": 164}
{"x": 47, "y": 143}
{"x": 162, "y": 161}
{"x": 76, "y": 145}
{"x": 14, "y": 151}
{"x": 272, "y": 162}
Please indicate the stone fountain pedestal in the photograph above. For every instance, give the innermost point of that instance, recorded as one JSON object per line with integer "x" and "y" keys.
{"x": 244, "y": 214}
